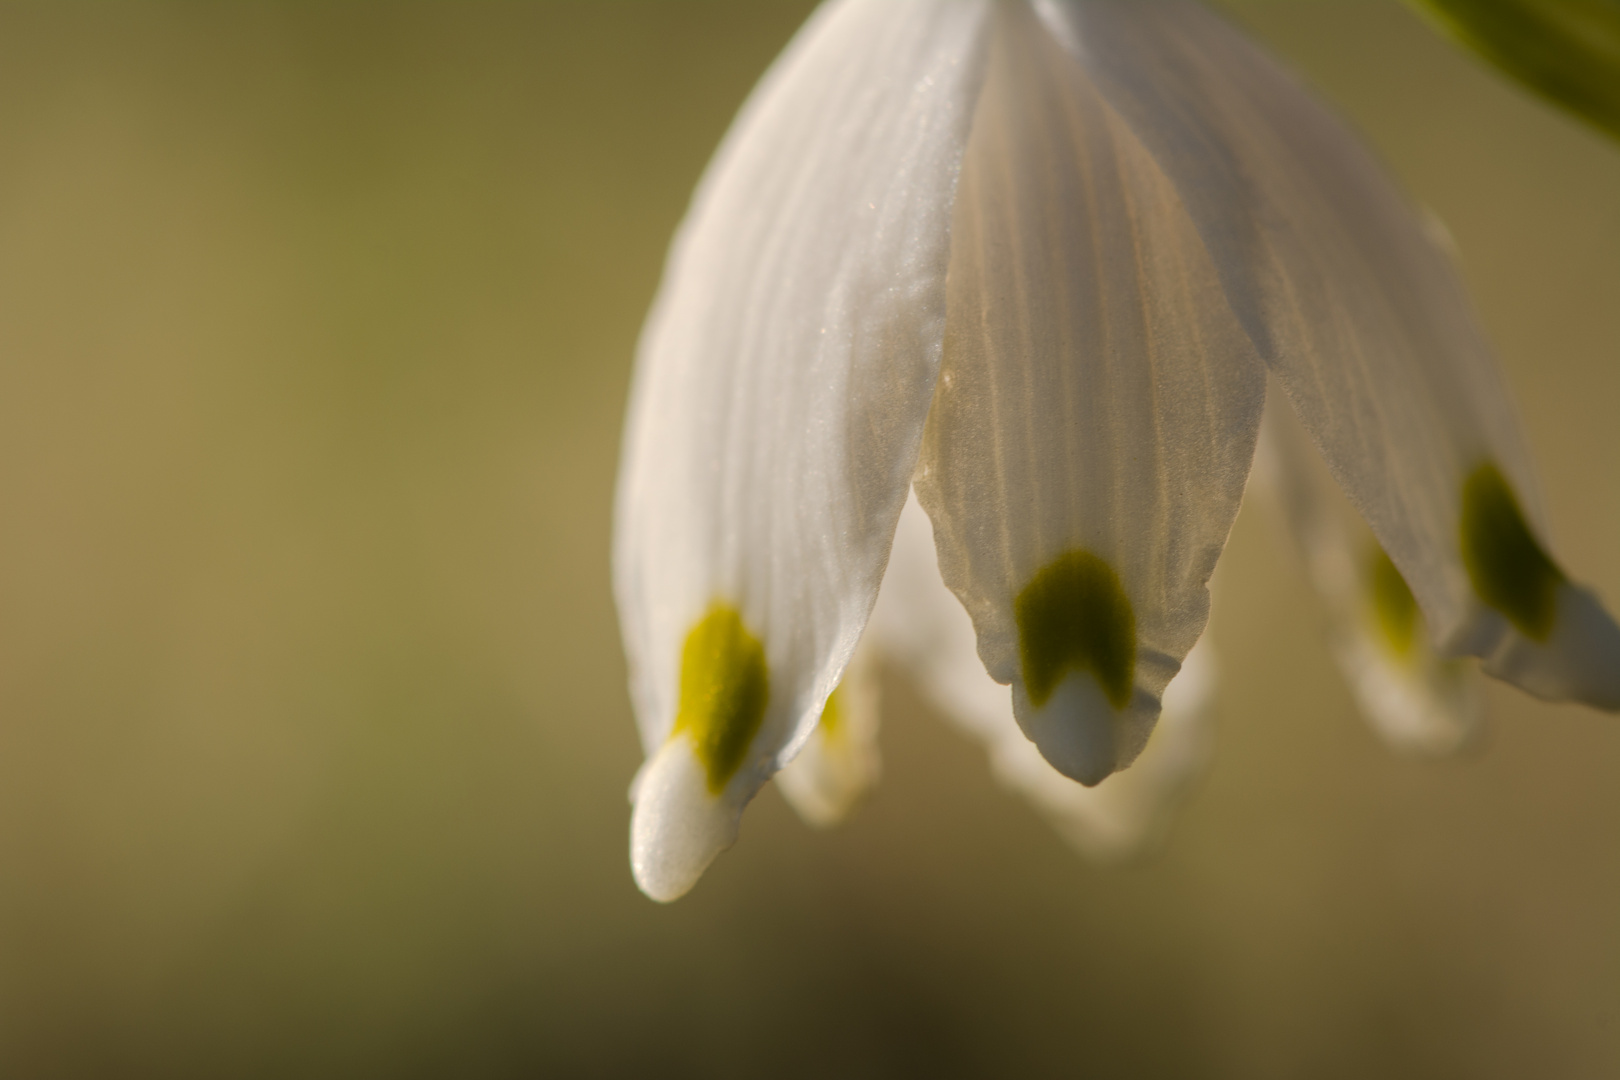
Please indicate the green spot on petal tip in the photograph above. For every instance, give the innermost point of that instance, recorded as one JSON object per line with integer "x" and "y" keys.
{"x": 1074, "y": 616}
{"x": 724, "y": 689}
{"x": 1509, "y": 570}
{"x": 1394, "y": 607}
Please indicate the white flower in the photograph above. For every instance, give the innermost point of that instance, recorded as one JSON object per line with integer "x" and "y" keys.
{"x": 1039, "y": 260}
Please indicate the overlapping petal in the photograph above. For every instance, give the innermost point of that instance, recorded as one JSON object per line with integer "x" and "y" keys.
{"x": 1364, "y": 322}
{"x": 781, "y": 386}
{"x": 1096, "y": 412}
{"x": 1418, "y": 702}
{"x": 839, "y": 763}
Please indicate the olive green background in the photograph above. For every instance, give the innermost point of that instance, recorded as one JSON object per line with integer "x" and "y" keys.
{"x": 315, "y": 326}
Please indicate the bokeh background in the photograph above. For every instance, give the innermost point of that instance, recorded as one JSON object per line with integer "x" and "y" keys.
{"x": 315, "y": 327}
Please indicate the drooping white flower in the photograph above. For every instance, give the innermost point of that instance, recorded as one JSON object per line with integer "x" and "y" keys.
{"x": 1035, "y": 259}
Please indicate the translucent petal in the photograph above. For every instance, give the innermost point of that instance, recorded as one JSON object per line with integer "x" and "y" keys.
{"x": 1419, "y": 702}
{"x": 1096, "y": 411}
{"x": 1365, "y": 322}
{"x": 840, "y": 763}
{"x": 920, "y": 625}
{"x": 781, "y": 384}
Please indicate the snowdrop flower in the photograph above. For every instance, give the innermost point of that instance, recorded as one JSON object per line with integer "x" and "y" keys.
{"x": 1038, "y": 260}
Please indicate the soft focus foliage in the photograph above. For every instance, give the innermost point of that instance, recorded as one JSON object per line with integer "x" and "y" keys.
{"x": 1568, "y": 50}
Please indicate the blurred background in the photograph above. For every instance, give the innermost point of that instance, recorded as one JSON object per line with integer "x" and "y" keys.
{"x": 315, "y": 328}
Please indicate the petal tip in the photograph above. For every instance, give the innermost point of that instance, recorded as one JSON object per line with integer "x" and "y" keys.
{"x": 678, "y": 827}
{"x": 1422, "y": 706}
{"x": 1079, "y": 731}
{"x": 1578, "y": 661}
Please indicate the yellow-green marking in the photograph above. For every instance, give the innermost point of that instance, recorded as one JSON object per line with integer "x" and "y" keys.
{"x": 1509, "y": 570}
{"x": 1394, "y": 608}
{"x": 1074, "y": 616}
{"x": 832, "y": 716}
{"x": 725, "y": 686}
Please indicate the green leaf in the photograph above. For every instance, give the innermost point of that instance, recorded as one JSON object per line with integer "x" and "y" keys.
{"x": 1567, "y": 50}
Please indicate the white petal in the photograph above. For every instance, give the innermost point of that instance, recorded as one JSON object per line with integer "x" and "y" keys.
{"x": 919, "y": 624}
{"x": 1420, "y": 703}
{"x": 1096, "y": 411}
{"x": 839, "y": 764}
{"x": 781, "y": 385}
{"x": 1363, "y": 319}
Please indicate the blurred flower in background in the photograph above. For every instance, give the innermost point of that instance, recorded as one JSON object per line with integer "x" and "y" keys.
{"x": 315, "y": 334}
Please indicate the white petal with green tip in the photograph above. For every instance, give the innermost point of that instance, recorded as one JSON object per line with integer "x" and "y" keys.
{"x": 1418, "y": 702}
{"x": 920, "y": 625}
{"x": 1096, "y": 410}
{"x": 782, "y": 380}
{"x": 1366, "y": 325}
